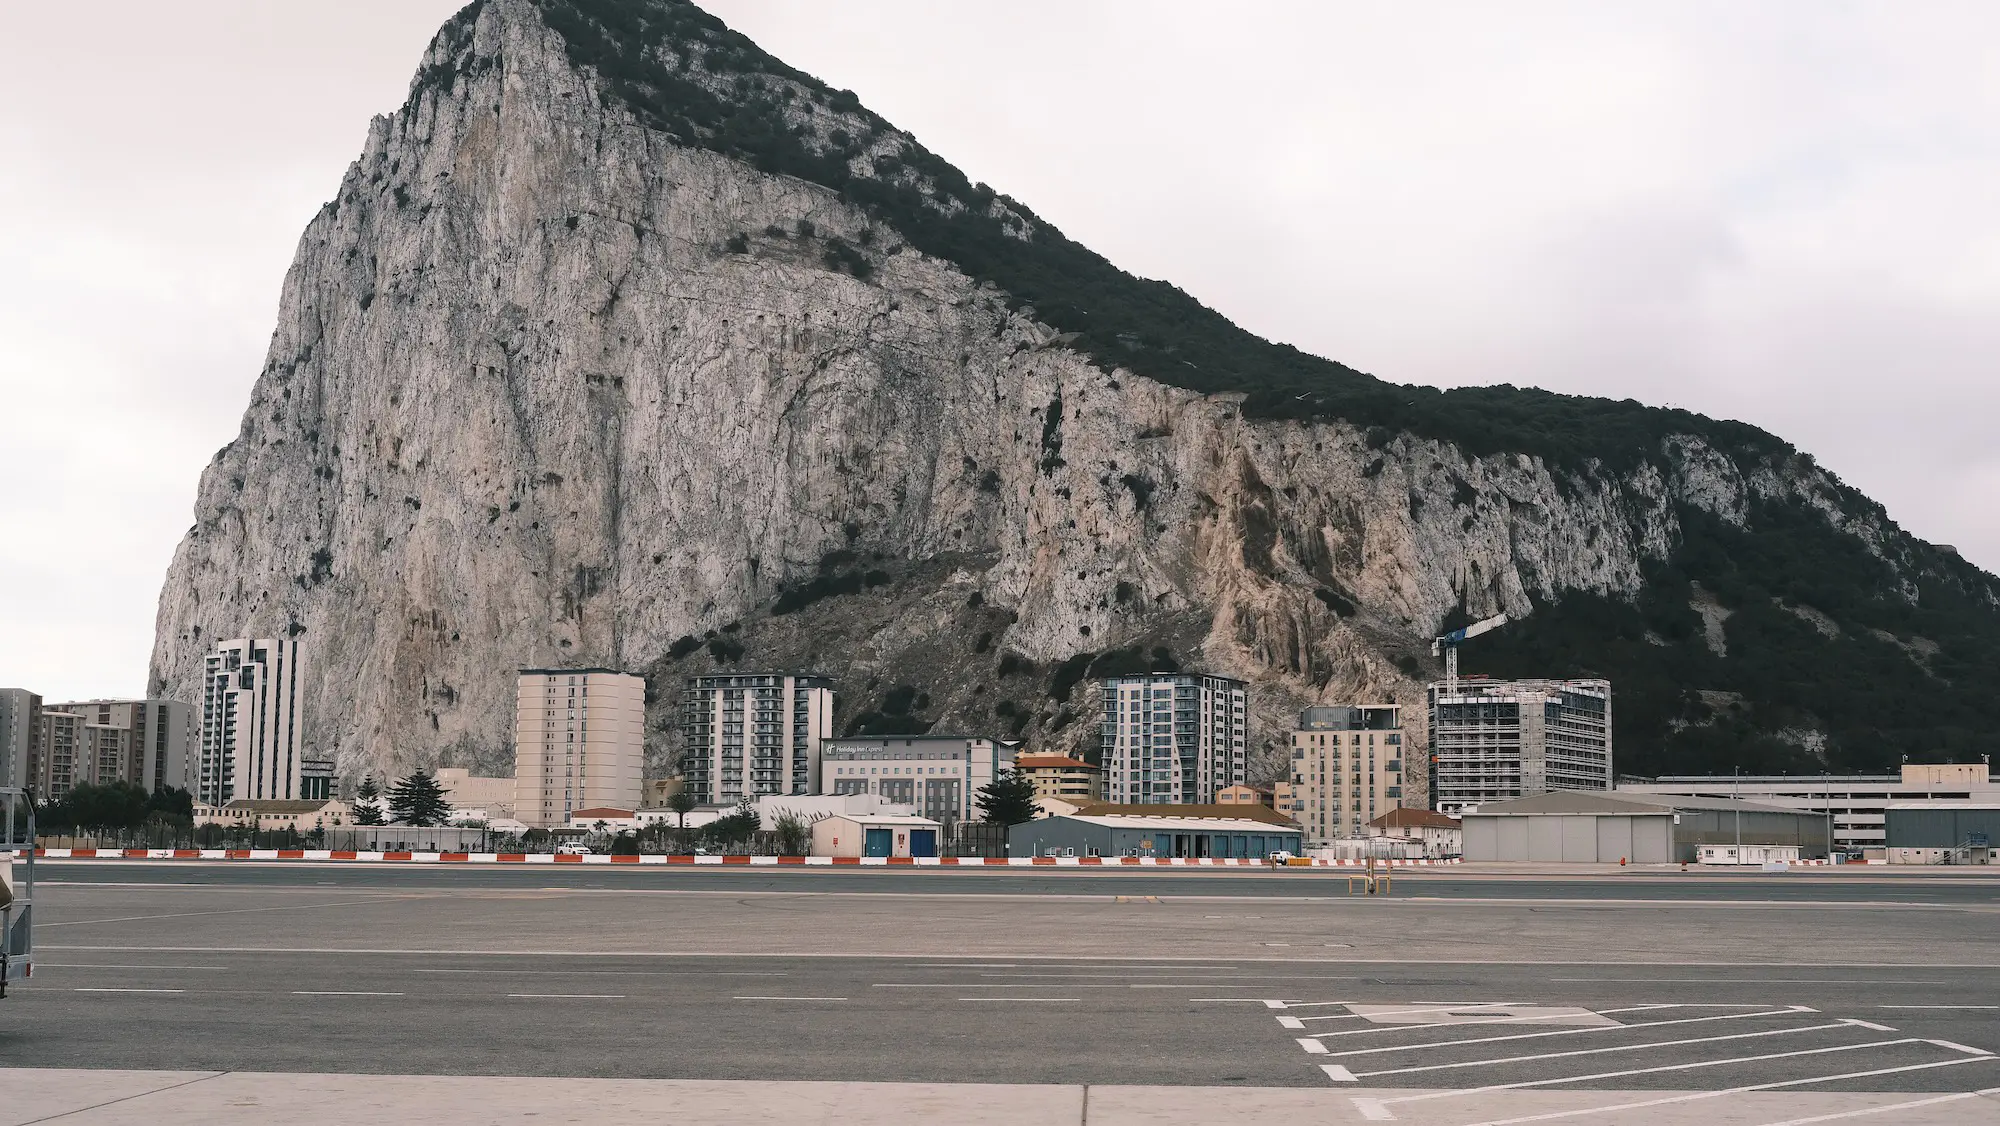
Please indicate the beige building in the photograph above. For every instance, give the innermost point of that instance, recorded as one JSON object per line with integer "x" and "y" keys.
{"x": 146, "y": 744}
{"x": 1347, "y": 769}
{"x": 271, "y": 814}
{"x": 1438, "y": 833}
{"x": 20, "y": 736}
{"x": 1062, "y": 778}
{"x": 1857, "y": 804}
{"x": 1241, "y": 794}
{"x": 466, "y": 790}
{"x": 579, "y": 742}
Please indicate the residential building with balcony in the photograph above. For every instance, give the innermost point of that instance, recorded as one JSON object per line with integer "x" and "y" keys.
{"x": 1173, "y": 738}
{"x": 1347, "y": 769}
{"x": 1495, "y": 740}
{"x": 745, "y": 735}
{"x": 250, "y": 722}
{"x": 579, "y": 742}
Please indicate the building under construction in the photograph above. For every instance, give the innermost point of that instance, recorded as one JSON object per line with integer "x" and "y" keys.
{"x": 1491, "y": 740}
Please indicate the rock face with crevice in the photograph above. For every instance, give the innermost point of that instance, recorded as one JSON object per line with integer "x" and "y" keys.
{"x": 550, "y": 387}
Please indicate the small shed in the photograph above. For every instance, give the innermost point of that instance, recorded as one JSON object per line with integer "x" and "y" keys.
{"x": 1579, "y": 827}
{"x": 870, "y": 834}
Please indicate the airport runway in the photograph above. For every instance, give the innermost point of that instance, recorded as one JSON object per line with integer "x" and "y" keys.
{"x": 1455, "y": 982}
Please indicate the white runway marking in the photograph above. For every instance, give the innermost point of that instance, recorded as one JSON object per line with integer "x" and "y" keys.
{"x": 788, "y": 998}
{"x": 1938, "y": 1006}
{"x": 1614, "y": 1048}
{"x": 1020, "y": 998}
{"x": 341, "y": 993}
{"x": 568, "y": 996}
{"x": 39, "y": 965}
{"x": 1699, "y": 1095}
{"x": 107, "y": 989}
{"x": 1789, "y": 1011}
{"x": 1338, "y": 1073}
{"x": 1312, "y": 1046}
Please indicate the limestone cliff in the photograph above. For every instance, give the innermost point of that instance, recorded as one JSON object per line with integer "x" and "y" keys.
{"x": 558, "y": 380}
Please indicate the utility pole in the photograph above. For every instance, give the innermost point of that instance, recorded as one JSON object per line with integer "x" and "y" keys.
{"x": 1736, "y": 795}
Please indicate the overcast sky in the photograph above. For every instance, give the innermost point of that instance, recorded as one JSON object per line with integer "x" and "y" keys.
{"x": 1781, "y": 213}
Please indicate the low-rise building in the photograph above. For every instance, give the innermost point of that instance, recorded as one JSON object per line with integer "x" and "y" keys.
{"x": 1062, "y": 777}
{"x": 874, "y": 834}
{"x": 272, "y": 814}
{"x": 1192, "y": 831}
{"x": 603, "y": 817}
{"x": 1942, "y": 832}
{"x": 466, "y": 790}
{"x": 1245, "y": 794}
{"x": 939, "y": 775}
{"x": 1857, "y": 803}
{"x": 1441, "y": 835}
{"x": 1577, "y": 827}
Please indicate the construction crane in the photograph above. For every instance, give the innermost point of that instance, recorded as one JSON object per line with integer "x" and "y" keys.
{"x": 1447, "y": 647}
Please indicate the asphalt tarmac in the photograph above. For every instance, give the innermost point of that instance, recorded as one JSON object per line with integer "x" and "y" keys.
{"x": 1452, "y": 982}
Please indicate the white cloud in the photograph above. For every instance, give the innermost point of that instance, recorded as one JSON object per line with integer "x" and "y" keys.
{"x": 1775, "y": 212}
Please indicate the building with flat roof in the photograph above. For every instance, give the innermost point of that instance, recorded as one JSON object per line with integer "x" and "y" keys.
{"x": 751, "y": 734}
{"x": 1212, "y": 831}
{"x": 151, "y": 745}
{"x": 20, "y": 736}
{"x": 1347, "y": 767}
{"x": 1942, "y": 832}
{"x": 1173, "y": 738}
{"x": 1857, "y": 803}
{"x": 579, "y": 742}
{"x": 939, "y": 776}
{"x": 1493, "y": 740}
{"x": 251, "y": 728}
{"x": 1591, "y": 828}
{"x": 1061, "y": 777}
{"x": 875, "y": 835}
{"x": 466, "y": 790}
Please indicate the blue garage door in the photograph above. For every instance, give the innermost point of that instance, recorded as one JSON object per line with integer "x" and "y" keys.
{"x": 923, "y": 842}
{"x": 876, "y": 843}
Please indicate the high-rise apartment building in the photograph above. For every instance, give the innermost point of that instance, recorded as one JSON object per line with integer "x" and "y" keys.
{"x": 747, "y": 735}
{"x": 20, "y": 736}
{"x": 1497, "y": 739}
{"x": 579, "y": 742}
{"x": 1173, "y": 738}
{"x": 1347, "y": 769}
{"x": 145, "y": 742}
{"x": 251, "y": 726}
{"x": 940, "y": 775}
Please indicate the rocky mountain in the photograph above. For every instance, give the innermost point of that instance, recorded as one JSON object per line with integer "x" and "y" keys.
{"x": 623, "y": 343}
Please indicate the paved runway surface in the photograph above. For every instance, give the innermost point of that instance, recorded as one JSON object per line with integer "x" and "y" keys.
{"x": 1454, "y": 983}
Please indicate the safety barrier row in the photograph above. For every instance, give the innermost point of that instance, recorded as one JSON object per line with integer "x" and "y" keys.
{"x": 754, "y": 861}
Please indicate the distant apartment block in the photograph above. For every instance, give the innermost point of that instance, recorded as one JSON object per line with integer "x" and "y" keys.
{"x": 1857, "y": 803}
{"x": 579, "y": 742}
{"x": 1061, "y": 777}
{"x": 1494, "y": 740}
{"x": 146, "y": 743}
{"x": 939, "y": 775}
{"x": 748, "y": 735}
{"x": 251, "y": 726}
{"x": 20, "y": 736}
{"x": 1172, "y": 738}
{"x": 1347, "y": 769}
{"x": 1247, "y": 795}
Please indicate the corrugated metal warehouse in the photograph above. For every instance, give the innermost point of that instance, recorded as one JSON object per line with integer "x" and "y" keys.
{"x": 1592, "y": 828}
{"x": 1930, "y": 833}
{"x": 1220, "y": 831}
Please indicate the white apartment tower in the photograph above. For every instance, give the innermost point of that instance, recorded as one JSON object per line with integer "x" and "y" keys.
{"x": 1497, "y": 739}
{"x": 1347, "y": 769}
{"x": 1173, "y": 738}
{"x": 251, "y": 725}
{"x": 579, "y": 742}
{"x": 744, "y": 736}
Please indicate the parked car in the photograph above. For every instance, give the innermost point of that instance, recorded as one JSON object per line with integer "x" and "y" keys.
{"x": 572, "y": 849}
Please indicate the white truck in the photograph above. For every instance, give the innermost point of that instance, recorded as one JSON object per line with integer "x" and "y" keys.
{"x": 17, "y": 886}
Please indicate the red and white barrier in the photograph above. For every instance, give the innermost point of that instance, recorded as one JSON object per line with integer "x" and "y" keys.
{"x": 753, "y": 861}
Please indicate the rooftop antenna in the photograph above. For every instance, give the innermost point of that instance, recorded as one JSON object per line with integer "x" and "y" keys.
{"x": 1447, "y": 647}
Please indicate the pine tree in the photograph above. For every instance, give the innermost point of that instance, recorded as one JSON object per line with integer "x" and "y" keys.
{"x": 1008, "y": 799}
{"x": 368, "y": 802}
{"x": 419, "y": 800}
